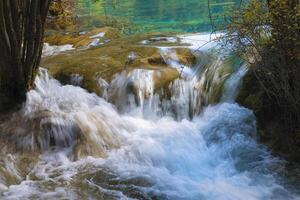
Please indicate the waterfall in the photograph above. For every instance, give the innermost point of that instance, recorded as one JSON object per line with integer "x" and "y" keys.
{"x": 188, "y": 140}
{"x": 233, "y": 84}
{"x": 65, "y": 117}
{"x": 184, "y": 98}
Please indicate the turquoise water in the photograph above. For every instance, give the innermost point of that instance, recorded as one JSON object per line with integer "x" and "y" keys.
{"x": 157, "y": 15}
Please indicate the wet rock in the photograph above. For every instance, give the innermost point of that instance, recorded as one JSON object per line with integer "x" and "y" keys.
{"x": 270, "y": 130}
{"x": 44, "y": 130}
{"x": 251, "y": 95}
{"x": 94, "y": 37}
{"x": 162, "y": 77}
{"x": 112, "y": 58}
{"x": 14, "y": 166}
{"x": 39, "y": 131}
{"x": 94, "y": 140}
{"x": 186, "y": 56}
{"x": 155, "y": 60}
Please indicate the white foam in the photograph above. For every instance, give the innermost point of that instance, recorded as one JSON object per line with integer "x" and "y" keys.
{"x": 201, "y": 41}
{"x": 212, "y": 156}
{"x": 50, "y": 50}
{"x": 233, "y": 84}
{"x": 199, "y": 159}
{"x": 99, "y": 35}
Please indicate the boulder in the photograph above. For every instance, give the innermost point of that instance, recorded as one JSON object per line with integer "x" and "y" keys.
{"x": 270, "y": 130}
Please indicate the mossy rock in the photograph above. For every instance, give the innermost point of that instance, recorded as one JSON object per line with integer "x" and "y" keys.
{"x": 164, "y": 76}
{"x": 185, "y": 56}
{"x": 251, "y": 94}
{"x": 78, "y": 39}
{"x": 270, "y": 129}
{"x": 109, "y": 59}
{"x": 253, "y": 101}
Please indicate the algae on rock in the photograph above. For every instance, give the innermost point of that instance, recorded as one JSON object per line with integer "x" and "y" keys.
{"x": 111, "y": 58}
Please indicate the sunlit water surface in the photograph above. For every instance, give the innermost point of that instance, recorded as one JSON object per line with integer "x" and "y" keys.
{"x": 158, "y": 15}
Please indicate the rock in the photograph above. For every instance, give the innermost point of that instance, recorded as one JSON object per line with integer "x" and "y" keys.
{"x": 185, "y": 56}
{"x": 114, "y": 57}
{"x": 162, "y": 77}
{"x": 14, "y": 167}
{"x": 155, "y": 60}
{"x": 270, "y": 130}
{"x": 84, "y": 39}
{"x": 39, "y": 131}
{"x": 251, "y": 95}
{"x": 43, "y": 130}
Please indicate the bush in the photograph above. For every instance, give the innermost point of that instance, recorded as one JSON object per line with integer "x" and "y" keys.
{"x": 266, "y": 35}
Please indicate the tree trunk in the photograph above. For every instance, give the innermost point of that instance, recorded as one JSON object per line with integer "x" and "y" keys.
{"x": 21, "y": 41}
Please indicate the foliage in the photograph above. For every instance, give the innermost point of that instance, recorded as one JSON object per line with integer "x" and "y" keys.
{"x": 259, "y": 25}
{"x": 248, "y": 29}
{"x": 61, "y": 14}
{"x": 266, "y": 34}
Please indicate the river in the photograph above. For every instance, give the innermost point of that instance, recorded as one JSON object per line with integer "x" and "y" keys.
{"x": 177, "y": 144}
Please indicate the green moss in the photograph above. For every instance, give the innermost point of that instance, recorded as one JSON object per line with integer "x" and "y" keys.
{"x": 251, "y": 94}
{"x": 270, "y": 129}
{"x": 112, "y": 58}
{"x": 254, "y": 102}
{"x": 82, "y": 40}
{"x": 186, "y": 56}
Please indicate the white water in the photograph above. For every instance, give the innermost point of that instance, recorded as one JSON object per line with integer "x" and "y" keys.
{"x": 233, "y": 84}
{"x": 201, "y": 41}
{"x": 145, "y": 153}
{"x": 214, "y": 156}
{"x": 50, "y": 50}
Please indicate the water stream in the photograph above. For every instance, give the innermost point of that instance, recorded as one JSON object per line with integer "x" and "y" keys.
{"x": 138, "y": 143}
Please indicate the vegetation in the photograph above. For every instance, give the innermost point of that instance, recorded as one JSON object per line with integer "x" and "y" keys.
{"x": 61, "y": 14}
{"x": 21, "y": 42}
{"x": 266, "y": 34}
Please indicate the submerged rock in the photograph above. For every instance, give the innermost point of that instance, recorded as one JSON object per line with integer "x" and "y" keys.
{"x": 39, "y": 131}
{"x": 51, "y": 121}
{"x": 43, "y": 130}
{"x": 14, "y": 165}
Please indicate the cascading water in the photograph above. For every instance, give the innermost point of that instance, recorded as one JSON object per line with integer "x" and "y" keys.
{"x": 233, "y": 83}
{"x": 145, "y": 144}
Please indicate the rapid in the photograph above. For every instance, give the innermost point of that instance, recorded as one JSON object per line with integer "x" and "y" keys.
{"x": 189, "y": 140}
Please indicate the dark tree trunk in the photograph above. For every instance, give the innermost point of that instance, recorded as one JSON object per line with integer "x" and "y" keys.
{"x": 21, "y": 41}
